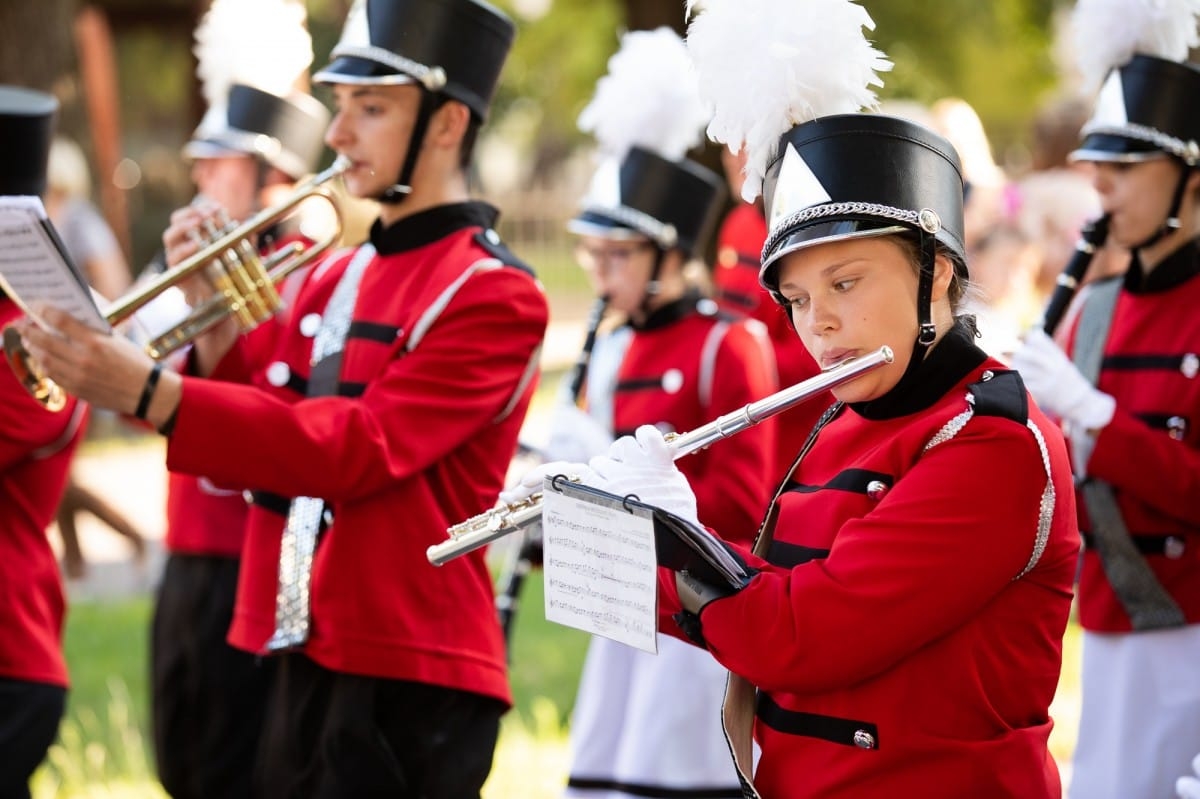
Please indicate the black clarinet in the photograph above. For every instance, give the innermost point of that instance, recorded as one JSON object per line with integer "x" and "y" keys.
{"x": 1091, "y": 238}
{"x": 530, "y": 553}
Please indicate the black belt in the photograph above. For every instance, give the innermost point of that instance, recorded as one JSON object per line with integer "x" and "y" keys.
{"x": 847, "y": 732}
{"x": 1169, "y": 546}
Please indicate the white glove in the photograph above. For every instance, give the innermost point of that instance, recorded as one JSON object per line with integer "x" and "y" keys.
{"x": 575, "y": 436}
{"x": 1189, "y": 787}
{"x": 644, "y": 465}
{"x": 532, "y": 481}
{"x": 1058, "y": 387}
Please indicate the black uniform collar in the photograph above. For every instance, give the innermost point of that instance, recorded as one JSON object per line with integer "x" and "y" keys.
{"x": 670, "y": 313}
{"x": 952, "y": 359}
{"x": 1177, "y": 268}
{"x": 426, "y": 227}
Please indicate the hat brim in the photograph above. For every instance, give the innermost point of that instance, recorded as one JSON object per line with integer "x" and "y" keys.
{"x": 1107, "y": 147}
{"x": 822, "y": 232}
{"x": 357, "y": 71}
{"x": 590, "y": 223}
{"x": 200, "y": 149}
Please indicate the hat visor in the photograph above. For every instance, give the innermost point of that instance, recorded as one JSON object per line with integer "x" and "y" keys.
{"x": 822, "y": 232}
{"x": 1107, "y": 147}
{"x": 361, "y": 72}
{"x": 591, "y": 223}
{"x": 199, "y": 149}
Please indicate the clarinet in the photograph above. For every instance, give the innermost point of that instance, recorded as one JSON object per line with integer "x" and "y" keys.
{"x": 1091, "y": 238}
{"x": 529, "y": 552}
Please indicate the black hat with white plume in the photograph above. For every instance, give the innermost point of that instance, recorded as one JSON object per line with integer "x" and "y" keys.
{"x": 786, "y": 78}
{"x": 251, "y": 54}
{"x": 1149, "y": 97}
{"x": 645, "y": 115}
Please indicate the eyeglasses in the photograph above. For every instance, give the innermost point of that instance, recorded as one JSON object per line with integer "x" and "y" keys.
{"x": 611, "y": 256}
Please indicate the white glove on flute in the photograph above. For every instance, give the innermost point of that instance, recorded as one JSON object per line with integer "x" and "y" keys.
{"x": 644, "y": 465}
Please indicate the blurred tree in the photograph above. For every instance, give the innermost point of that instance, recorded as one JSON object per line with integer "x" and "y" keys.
{"x": 35, "y": 42}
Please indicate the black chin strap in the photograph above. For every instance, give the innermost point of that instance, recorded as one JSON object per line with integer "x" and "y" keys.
{"x": 926, "y": 331}
{"x": 396, "y": 193}
{"x": 1172, "y": 222}
{"x": 652, "y": 287}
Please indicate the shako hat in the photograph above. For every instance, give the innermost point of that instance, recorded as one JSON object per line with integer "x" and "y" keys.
{"x": 676, "y": 204}
{"x": 855, "y": 175}
{"x": 249, "y": 83}
{"x": 288, "y": 132}
{"x": 456, "y": 47}
{"x": 646, "y": 114}
{"x": 26, "y": 130}
{"x": 1149, "y": 96}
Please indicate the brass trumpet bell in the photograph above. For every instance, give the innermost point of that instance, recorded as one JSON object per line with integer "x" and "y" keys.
{"x": 244, "y": 284}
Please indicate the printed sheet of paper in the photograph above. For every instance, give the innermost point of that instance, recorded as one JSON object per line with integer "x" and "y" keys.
{"x": 34, "y": 267}
{"x": 599, "y": 567}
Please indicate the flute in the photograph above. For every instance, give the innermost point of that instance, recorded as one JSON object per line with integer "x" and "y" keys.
{"x": 1091, "y": 238}
{"x": 486, "y": 527}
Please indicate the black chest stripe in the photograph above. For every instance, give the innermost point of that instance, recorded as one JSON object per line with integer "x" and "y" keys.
{"x": 1133, "y": 363}
{"x": 813, "y": 725}
{"x": 644, "y": 384}
{"x": 854, "y": 480}
{"x": 790, "y": 555}
{"x": 384, "y": 334}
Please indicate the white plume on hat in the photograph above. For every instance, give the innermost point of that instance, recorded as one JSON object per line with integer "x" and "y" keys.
{"x": 648, "y": 99}
{"x": 1108, "y": 33}
{"x": 766, "y": 66}
{"x": 261, "y": 43}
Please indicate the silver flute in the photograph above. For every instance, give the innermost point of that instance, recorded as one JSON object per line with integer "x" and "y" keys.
{"x": 498, "y": 522}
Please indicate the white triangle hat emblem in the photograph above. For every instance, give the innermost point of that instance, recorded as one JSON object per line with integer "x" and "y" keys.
{"x": 796, "y": 188}
{"x": 1110, "y": 103}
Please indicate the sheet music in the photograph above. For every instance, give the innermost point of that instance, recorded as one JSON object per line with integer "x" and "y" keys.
{"x": 35, "y": 269}
{"x": 599, "y": 564}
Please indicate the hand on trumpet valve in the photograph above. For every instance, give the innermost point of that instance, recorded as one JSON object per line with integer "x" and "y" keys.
{"x": 643, "y": 465}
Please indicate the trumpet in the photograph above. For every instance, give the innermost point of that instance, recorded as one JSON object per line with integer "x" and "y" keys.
{"x": 244, "y": 283}
{"x": 491, "y": 525}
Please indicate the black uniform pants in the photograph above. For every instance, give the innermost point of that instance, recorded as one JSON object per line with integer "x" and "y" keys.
{"x": 330, "y": 735}
{"x": 29, "y": 717}
{"x": 209, "y": 699}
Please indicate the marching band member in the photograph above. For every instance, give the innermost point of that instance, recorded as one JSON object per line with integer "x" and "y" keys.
{"x": 737, "y": 290}
{"x": 643, "y": 724}
{"x": 1126, "y": 391}
{"x": 254, "y": 142}
{"x": 36, "y": 446}
{"x": 384, "y": 408}
{"x": 901, "y": 633}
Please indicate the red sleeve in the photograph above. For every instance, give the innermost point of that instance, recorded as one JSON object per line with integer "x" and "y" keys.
{"x": 423, "y": 406}
{"x": 1165, "y": 474}
{"x": 949, "y": 537}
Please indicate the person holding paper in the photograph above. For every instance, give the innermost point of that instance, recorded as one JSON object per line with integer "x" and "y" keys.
{"x": 259, "y": 136}
{"x": 645, "y": 724}
{"x": 900, "y": 633}
{"x": 36, "y": 446}
{"x": 383, "y": 408}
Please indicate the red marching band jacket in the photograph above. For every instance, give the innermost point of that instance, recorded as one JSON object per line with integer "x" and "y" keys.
{"x": 439, "y": 367}
{"x": 36, "y": 447}
{"x": 1150, "y": 451}
{"x": 735, "y": 279}
{"x": 905, "y": 631}
{"x": 203, "y": 518}
{"x": 685, "y": 367}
